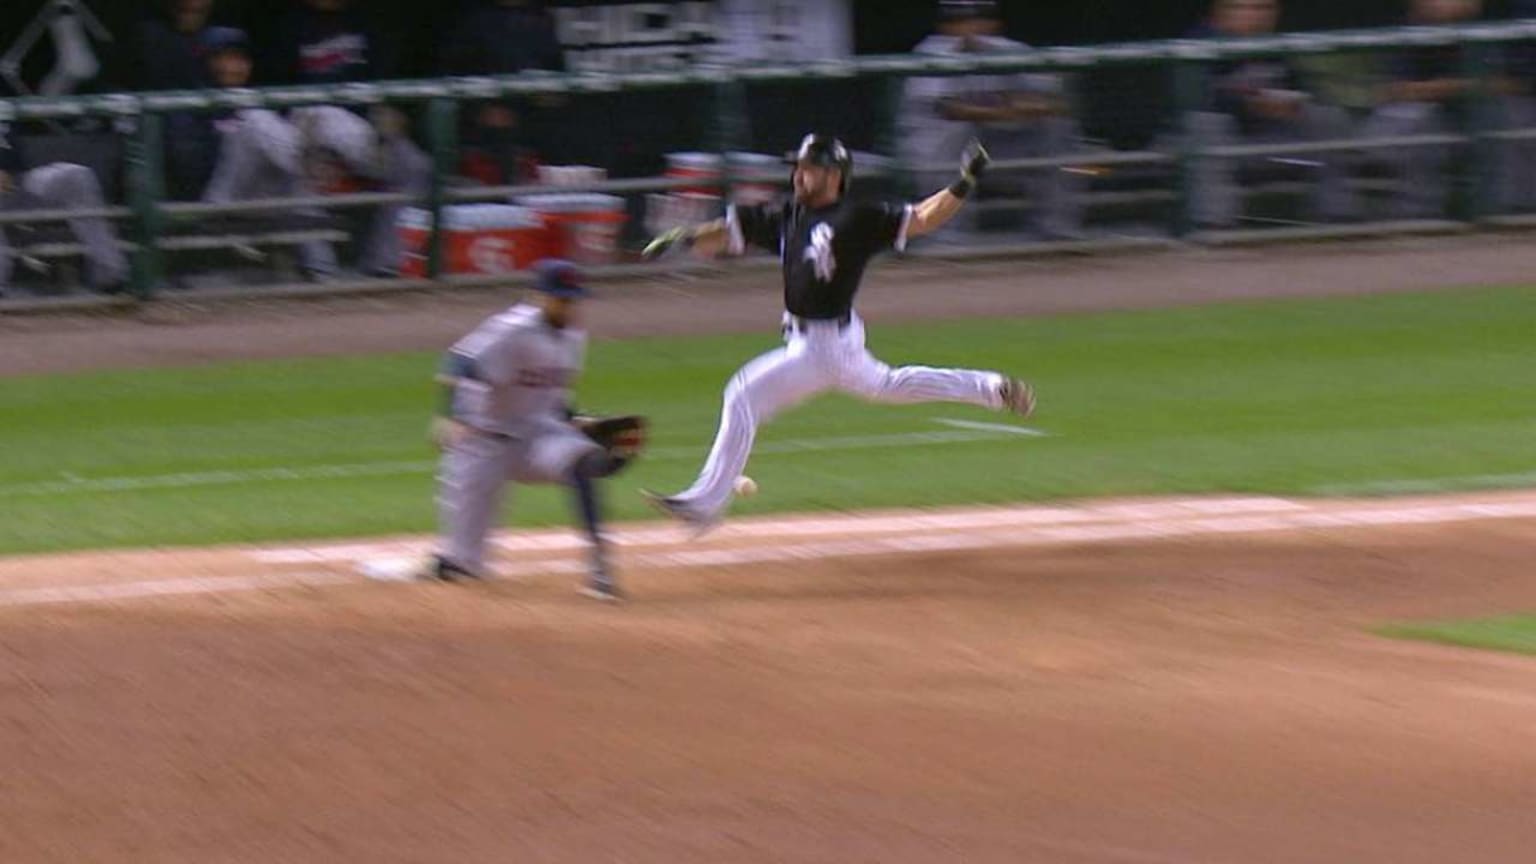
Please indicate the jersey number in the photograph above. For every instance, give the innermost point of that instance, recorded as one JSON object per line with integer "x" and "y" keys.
{"x": 820, "y": 252}
{"x": 543, "y": 379}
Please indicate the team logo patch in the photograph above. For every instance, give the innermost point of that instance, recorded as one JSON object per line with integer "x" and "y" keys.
{"x": 819, "y": 253}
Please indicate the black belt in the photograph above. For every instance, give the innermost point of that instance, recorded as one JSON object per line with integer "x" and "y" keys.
{"x": 841, "y": 321}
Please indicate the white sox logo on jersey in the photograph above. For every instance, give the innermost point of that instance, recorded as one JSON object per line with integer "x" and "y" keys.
{"x": 820, "y": 252}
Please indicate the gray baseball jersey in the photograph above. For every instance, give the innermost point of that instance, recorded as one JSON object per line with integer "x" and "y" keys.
{"x": 524, "y": 370}
{"x": 519, "y": 392}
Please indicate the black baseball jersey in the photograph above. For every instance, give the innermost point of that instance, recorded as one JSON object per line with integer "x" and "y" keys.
{"x": 823, "y": 251}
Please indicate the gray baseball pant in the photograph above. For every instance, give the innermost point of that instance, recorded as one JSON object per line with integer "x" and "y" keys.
{"x": 65, "y": 185}
{"x": 476, "y": 473}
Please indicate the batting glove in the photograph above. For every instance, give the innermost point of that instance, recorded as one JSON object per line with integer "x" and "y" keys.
{"x": 665, "y": 241}
{"x": 973, "y": 162}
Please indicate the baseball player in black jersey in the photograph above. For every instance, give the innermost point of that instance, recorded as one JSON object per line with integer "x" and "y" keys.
{"x": 824, "y": 241}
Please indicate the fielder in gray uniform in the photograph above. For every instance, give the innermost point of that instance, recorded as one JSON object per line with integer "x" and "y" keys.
{"x": 506, "y": 418}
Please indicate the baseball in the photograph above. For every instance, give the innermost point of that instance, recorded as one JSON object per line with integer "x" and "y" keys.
{"x": 746, "y": 487}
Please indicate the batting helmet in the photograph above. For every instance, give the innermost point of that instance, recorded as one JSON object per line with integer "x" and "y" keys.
{"x": 819, "y": 149}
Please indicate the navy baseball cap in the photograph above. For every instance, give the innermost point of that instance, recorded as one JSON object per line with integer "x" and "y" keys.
{"x": 217, "y": 40}
{"x": 558, "y": 278}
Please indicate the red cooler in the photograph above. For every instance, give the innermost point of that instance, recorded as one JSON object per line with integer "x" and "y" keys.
{"x": 583, "y": 228}
{"x": 482, "y": 239}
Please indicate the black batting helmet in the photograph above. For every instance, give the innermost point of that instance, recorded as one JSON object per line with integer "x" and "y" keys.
{"x": 819, "y": 149}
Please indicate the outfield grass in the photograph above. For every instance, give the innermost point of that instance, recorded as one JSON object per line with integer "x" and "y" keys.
{"x": 1514, "y": 633}
{"x": 1283, "y": 397}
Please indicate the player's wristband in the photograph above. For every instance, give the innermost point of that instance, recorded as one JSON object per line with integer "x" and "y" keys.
{"x": 962, "y": 187}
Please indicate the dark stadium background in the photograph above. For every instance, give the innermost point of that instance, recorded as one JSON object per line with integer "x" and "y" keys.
{"x": 629, "y": 135}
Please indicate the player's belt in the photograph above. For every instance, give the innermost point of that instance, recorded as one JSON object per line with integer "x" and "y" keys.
{"x": 800, "y": 323}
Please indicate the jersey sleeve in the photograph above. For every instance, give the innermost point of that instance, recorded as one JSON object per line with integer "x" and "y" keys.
{"x": 760, "y": 225}
{"x": 495, "y": 359}
{"x": 884, "y": 225}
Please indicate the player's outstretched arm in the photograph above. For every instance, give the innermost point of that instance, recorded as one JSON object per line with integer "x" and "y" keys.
{"x": 940, "y": 207}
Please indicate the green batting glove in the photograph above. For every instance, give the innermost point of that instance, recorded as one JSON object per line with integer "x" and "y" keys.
{"x": 659, "y": 246}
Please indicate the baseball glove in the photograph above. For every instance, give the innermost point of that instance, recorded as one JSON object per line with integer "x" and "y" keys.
{"x": 624, "y": 437}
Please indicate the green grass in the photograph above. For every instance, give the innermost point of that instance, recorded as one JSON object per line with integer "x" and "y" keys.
{"x": 1514, "y": 633}
{"x": 1281, "y": 397}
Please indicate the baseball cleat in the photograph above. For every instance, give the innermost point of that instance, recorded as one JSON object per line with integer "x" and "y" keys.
{"x": 603, "y": 592}
{"x": 1017, "y": 396}
{"x": 440, "y": 569}
{"x": 600, "y": 585}
{"x": 698, "y": 524}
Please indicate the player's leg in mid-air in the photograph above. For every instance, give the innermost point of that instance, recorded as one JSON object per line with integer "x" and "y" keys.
{"x": 769, "y": 384}
{"x": 865, "y": 376}
{"x": 827, "y": 355}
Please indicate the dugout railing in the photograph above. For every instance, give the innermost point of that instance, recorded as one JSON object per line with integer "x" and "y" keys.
{"x": 145, "y": 215}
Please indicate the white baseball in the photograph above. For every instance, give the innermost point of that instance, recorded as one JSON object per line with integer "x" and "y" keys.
{"x": 746, "y": 487}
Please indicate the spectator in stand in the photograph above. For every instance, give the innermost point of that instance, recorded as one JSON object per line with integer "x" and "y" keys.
{"x": 170, "y": 50}
{"x": 1429, "y": 94}
{"x": 1262, "y": 101}
{"x": 1518, "y": 85}
{"x": 332, "y": 42}
{"x": 1014, "y": 115}
{"x": 504, "y": 37}
{"x": 60, "y": 185}
{"x": 328, "y": 42}
{"x": 171, "y": 55}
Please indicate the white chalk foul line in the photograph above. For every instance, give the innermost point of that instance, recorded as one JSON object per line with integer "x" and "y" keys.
{"x": 801, "y": 528}
{"x": 952, "y": 541}
{"x": 970, "y": 541}
{"x": 1001, "y": 428}
{"x": 74, "y": 485}
{"x": 102, "y": 593}
{"x": 1146, "y": 526}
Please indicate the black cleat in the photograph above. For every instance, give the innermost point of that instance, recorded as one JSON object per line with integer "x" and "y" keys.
{"x": 602, "y": 587}
{"x": 440, "y": 569}
{"x": 698, "y": 525}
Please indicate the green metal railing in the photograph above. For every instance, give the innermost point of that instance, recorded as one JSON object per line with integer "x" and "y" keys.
{"x": 143, "y": 113}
